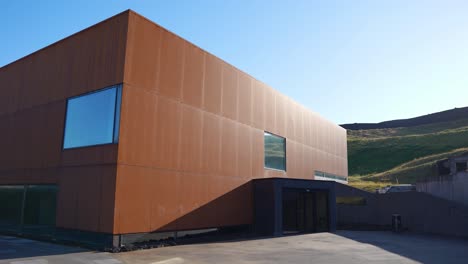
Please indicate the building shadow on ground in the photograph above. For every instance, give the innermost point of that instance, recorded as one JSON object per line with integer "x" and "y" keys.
{"x": 423, "y": 248}
{"x": 12, "y": 248}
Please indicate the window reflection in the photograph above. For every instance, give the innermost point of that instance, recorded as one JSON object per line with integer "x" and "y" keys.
{"x": 93, "y": 119}
{"x": 275, "y": 152}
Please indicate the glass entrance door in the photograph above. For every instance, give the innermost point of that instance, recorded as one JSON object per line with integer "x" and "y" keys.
{"x": 304, "y": 211}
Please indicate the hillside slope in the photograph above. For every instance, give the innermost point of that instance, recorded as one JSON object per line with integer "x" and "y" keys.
{"x": 403, "y": 154}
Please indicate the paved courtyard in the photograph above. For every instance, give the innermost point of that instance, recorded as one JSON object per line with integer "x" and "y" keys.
{"x": 342, "y": 247}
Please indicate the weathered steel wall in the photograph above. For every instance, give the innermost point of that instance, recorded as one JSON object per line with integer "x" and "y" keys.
{"x": 192, "y": 136}
{"x": 33, "y": 92}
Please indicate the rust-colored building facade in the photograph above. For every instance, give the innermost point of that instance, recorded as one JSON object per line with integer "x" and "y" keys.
{"x": 188, "y": 136}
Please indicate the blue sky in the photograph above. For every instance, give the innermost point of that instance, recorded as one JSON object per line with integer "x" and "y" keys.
{"x": 351, "y": 61}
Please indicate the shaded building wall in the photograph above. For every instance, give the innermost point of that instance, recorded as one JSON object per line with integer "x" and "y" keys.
{"x": 356, "y": 216}
{"x": 33, "y": 93}
{"x": 192, "y": 136}
{"x": 452, "y": 187}
{"x": 420, "y": 212}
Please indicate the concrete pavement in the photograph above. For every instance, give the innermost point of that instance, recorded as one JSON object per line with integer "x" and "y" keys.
{"x": 352, "y": 247}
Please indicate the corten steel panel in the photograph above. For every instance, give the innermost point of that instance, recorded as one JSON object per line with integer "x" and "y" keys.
{"x": 183, "y": 201}
{"x": 212, "y": 85}
{"x": 5, "y": 124}
{"x": 168, "y": 133}
{"x": 211, "y": 144}
{"x": 145, "y": 197}
{"x": 190, "y": 145}
{"x": 193, "y": 192}
{"x": 100, "y": 56}
{"x": 88, "y": 201}
{"x": 280, "y": 115}
{"x": 320, "y": 132}
{"x": 258, "y": 158}
{"x": 244, "y": 152}
{"x": 28, "y": 90}
{"x": 194, "y": 66}
{"x": 299, "y": 161}
{"x": 291, "y": 119}
{"x": 307, "y": 139}
{"x": 33, "y": 104}
{"x": 299, "y": 124}
{"x": 244, "y": 85}
{"x": 307, "y": 163}
{"x": 35, "y": 126}
{"x": 95, "y": 155}
{"x": 53, "y": 127}
{"x": 315, "y": 160}
{"x": 29, "y": 176}
{"x": 67, "y": 200}
{"x": 291, "y": 158}
{"x": 133, "y": 208}
{"x": 230, "y": 92}
{"x": 138, "y": 127}
{"x": 172, "y": 65}
{"x": 228, "y": 147}
{"x": 269, "y": 110}
{"x": 191, "y": 139}
{"x": 7, "y": 141}
{"x": 86, "y": 198}
{"x": 107, "y": 198}
{"x": 234, "y": 202}
{"x": 258, "y": 95}
{"x": 165, "y": 201}
{"x": 328, "y": 141}
{"x": 142, "y": 61}
{"x": 313, "y": 130}
{"x": 11, "y": 80}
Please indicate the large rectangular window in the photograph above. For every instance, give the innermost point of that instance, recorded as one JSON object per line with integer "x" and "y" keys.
{"x": 93, "y": 118}
{"x": 275, "y": 152}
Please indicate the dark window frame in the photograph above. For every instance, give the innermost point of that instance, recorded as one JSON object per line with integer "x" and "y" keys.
{"x": 117, "y": 116}
{"x": 284, "y": 150}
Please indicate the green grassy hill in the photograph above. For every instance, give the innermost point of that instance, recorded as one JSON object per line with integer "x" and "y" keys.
{"x": 389, "y": 155}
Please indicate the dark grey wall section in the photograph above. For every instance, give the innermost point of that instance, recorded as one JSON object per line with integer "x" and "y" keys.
{"x": 268, "y": 198}
{"x": 420, "y": 212}
{"x": 451, "y": 187}
{"x": 356, "y": 216}
{"x": 265, "y": 205}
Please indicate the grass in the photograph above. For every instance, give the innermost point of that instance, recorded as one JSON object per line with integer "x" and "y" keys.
{"x": 381, "y": 157}
{"x": 372, "y": 156}
{"x": 367, "y": 185}
{"x": 414, "y": 170}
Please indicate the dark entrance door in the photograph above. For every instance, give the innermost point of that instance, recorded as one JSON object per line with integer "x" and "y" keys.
{"x": 305, "y": 211}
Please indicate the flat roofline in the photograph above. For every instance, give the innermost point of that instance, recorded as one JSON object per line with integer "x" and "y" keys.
{"x": 130, "y": 11}
{"x": 224, "y": 61}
